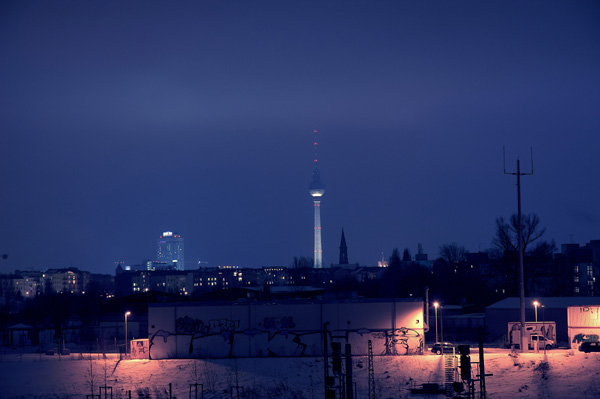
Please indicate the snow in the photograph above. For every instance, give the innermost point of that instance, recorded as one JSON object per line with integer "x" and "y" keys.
{"x": 556, "y": 374}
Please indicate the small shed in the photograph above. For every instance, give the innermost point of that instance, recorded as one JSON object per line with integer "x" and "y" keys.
{"x": 139, "y": 348}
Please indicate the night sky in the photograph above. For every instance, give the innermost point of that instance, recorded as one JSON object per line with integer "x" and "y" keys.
{"x": 123, "y": 119}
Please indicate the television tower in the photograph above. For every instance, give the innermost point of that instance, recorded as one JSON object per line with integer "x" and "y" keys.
{"x": 316, "y": 190}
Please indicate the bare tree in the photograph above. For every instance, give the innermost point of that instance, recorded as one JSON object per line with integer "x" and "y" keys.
{"x": 302, "y": 262}
{"x": 394, "y": 261}
{"x": 506, "y": 239}
{"x": 453, "y": 254}
{"x": 91, "y": 377}
{"x": 105, "y": 369}
{"x": 300, "y": 270}
{"x": 544, "y": 249}
{"x": 506, "y": 242}
{"x": 406, "y": 255}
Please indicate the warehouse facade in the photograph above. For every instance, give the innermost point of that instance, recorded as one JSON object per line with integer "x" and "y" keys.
{"x": 253, "y": 329}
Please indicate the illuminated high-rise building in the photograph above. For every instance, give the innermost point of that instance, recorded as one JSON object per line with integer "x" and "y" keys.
{"x": 316, "y": 190}
{"x": 169, "y": 249}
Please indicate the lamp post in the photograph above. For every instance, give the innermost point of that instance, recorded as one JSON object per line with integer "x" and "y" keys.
{"x": 126, "y": 314}
{"x": 536, "y": 304}
{"x": 544, "y": 326}
{"x": 435, "y": 305}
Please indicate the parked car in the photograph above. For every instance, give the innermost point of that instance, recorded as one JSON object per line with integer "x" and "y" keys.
{"x": 588, "y": 347}
{"x": 443, "y": 347}
{"x": 542, "y": 342}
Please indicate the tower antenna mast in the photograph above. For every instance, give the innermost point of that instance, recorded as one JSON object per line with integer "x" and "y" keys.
{"x": 316, "y": 148}
{"x": 518, "y": 173}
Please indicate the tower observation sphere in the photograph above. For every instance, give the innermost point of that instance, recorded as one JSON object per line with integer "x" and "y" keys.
{"x": 316, "y": 188}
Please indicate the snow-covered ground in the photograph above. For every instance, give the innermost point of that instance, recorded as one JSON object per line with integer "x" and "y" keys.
{"x": 558, "y": 374}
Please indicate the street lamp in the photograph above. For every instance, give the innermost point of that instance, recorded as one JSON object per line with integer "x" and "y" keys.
{"x": 436, "y": 305}
{"x": 544, "y": 326}
{"x": 126, "y": 314}
{"x": 536, "y": 304}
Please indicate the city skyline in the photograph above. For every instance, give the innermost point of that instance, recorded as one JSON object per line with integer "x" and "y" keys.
{"x": 119, "y": 122}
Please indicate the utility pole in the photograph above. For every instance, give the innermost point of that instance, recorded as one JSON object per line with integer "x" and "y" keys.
{"x": 427, "y": 307}
{"x": 520, "y": 245}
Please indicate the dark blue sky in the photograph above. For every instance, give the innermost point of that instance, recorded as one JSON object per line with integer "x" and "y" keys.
{"x": 120, "y": 120}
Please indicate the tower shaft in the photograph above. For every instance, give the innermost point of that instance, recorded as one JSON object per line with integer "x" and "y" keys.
{"x": 316, "y": 190}
{"x": 318, "y": 253}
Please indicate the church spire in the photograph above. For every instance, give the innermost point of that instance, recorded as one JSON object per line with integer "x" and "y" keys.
{"x": 343, "y": 250}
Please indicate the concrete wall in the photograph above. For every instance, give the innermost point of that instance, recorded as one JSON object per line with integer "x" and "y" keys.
{"x": 283, "y": 329}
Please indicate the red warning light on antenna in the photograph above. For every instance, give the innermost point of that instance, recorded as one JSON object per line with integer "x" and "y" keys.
{"x": 314, "y": 131}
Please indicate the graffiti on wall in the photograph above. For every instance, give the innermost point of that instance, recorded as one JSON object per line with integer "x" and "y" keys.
{"x": 278, "y": 323}
{"x": 579, "y": 338}
{"x": 140, "y": 348}
{"x": 198, "y": 329}
{"x": 188, "y": 326}
{"x": 397, "y": 341}
{"x": 281, "y": 337}
{"x": 548, "y": 331}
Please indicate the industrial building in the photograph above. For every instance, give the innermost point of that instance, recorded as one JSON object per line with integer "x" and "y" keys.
{"x": 295, "y": 328}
